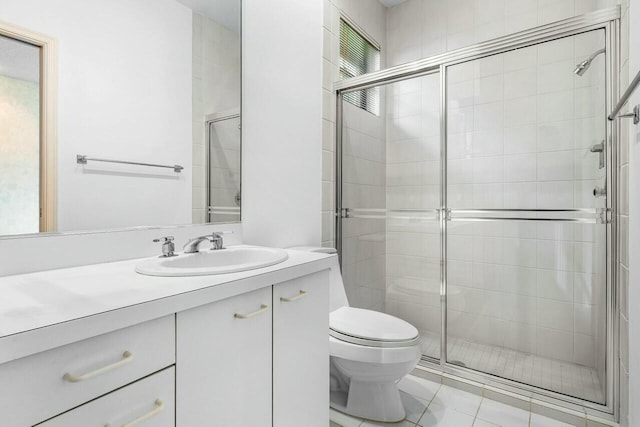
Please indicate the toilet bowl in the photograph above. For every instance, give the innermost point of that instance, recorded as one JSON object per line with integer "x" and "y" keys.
{"x": 369, "y": 353}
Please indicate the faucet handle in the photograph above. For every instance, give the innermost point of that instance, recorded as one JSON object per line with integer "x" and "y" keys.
{"x": 168, "y": 247}
{"x": 216, "y": 240}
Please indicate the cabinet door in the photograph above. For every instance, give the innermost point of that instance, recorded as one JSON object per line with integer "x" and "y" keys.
{"x": 301, "y": 352}
{"x": 224, "y": 362}
{"x": 148, "y": 402}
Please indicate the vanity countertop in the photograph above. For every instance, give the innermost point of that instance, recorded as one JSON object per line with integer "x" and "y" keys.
{"x": 47, "y": 309}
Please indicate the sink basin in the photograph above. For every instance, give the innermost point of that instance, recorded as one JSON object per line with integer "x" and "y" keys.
{"x": 208, "y": 262}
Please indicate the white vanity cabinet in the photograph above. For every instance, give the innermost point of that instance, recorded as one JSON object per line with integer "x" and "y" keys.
{"x": 223, "y": 351}
{"x": 256, "y": 359}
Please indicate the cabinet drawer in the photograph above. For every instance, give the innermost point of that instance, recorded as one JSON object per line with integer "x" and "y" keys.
{"x": 49, "y": 383}
{"x": 148, "y": 402}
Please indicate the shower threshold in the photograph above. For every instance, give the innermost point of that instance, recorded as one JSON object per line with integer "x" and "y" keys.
{"x": 558, "y": 376}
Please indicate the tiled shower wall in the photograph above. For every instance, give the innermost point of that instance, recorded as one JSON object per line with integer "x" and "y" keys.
{"x": 364, "y": 169}
{"x": 216, "y": 89}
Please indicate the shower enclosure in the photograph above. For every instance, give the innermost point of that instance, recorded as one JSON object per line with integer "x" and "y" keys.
{"x": 477, "y": 206}
{"x": 223, "y": 171}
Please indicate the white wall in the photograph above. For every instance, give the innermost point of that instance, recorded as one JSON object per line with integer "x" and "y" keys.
{"x": 282, "y": 106}
{"x": 124, "y": 93}
{"x": 634, "y": 225}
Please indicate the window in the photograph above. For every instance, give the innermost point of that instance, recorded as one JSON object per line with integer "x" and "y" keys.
{"x": 359, "y": 55}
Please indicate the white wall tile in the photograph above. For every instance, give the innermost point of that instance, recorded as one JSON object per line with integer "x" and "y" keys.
{"x": 489, "y": 89}
{"x": 520, "y": 167}
{"x": 556, "y": 285}
{"x": 488, "y": 169}
{"x": 520, "y": 111}
{"x": 555, "y": 255}
{"x": 555, "y": 166}
{"x": 521, "y": 82}
{"x": 520, "y": 252}
{"x": 521, "y": 139}
{"x": 555, "y": 194}
{"x": 555, "y": 344}
{"x": 555, "y": 106}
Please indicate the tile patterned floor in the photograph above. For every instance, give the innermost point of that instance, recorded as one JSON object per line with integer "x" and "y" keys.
{"x": 562, "y": 377}
{"x": 431, "y": 404}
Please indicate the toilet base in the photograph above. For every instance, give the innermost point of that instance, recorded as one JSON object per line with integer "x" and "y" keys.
{"x": 371, "y": 400}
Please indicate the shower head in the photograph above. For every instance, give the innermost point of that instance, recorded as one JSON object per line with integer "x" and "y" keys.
{"x": 582, "y": 67}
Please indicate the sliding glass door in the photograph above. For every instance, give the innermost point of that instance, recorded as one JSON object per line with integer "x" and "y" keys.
{"x": 390, "y": 200}
{"x": 526, "y": 258}
{"x": 473, "y": 204}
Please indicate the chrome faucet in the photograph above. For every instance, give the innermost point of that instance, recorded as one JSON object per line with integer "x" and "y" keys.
{"x": 191, "y": 247}
{"x": 168, "y": 247}
{"x": 216, "y": 241}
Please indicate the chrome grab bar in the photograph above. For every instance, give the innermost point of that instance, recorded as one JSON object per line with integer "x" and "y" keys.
{"x": 623, "y": 100}
{"x": 381, "y": 213}
{"x": 81, "y": 159}
{"x": 599, "y": 214}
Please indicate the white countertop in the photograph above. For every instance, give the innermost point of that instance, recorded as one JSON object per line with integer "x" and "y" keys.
{"x": 40, "y": 311}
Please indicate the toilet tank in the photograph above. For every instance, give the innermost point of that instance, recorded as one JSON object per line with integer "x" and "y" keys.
{"x": 337, "y": 294}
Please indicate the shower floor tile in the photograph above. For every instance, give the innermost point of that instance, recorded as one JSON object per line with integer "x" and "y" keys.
{"x": 562, "y": 377}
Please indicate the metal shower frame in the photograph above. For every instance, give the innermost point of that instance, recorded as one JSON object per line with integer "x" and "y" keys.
{"x": 605, "y": 19}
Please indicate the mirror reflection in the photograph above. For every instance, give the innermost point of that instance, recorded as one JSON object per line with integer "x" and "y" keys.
{"x": 19, "y": 137}
{"x": 123, "y": 113}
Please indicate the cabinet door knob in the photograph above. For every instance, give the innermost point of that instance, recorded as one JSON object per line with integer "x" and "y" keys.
{"x": 262, "y": 309}
{"x": 302, "y": 294}
{"x": 126, "y": 358}
{"x": 159, "y": 407}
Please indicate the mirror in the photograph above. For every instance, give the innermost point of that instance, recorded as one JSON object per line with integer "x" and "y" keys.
{"x": 119, "y": 114}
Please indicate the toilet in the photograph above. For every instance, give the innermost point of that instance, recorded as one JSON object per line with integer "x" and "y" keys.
{"x": 370, "y": 352}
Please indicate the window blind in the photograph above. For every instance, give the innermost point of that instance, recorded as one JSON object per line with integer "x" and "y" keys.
{"x": 359, "y": 56}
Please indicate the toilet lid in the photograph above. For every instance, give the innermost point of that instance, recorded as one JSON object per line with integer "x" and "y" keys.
{"x": 368, "y": 325}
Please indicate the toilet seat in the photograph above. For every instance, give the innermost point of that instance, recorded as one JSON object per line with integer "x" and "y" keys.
{"x": 371, "y": 328}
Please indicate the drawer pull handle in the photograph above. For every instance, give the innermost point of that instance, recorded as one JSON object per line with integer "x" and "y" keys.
{"x": 126, "y": 358}
{"x": 262, "y": 309}
{"x": 159, "y": 408}
{"x": 302, "y": 294}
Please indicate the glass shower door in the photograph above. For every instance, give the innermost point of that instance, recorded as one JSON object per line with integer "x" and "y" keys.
{"x": 224, "y": 196}
{"x": 527, "y": 234}
{"x": 390, "y": 195}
